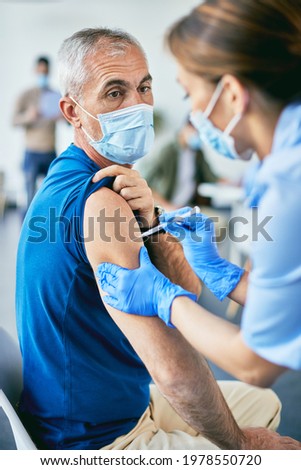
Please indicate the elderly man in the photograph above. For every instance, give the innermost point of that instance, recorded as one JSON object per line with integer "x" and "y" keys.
{"x": 87, "y": 369}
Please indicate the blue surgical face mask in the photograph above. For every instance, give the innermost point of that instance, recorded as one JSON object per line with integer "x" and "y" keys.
{"x": 194, "y": 142}
{"x": 221, "y": 141}
{"x": 42, "y": 80}
{"x": 128, "y": 133}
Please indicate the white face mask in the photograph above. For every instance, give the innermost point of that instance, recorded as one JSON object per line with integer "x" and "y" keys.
{"x": 221, "y": 141}
{"x": 128, "y": 133}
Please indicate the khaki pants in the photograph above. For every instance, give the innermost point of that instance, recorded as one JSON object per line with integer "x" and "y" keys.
{"x": 161, "y": 428}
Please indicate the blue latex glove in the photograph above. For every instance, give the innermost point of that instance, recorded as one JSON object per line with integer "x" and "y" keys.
{"x": 196, "y": 233}
{"x": 144, "y": 291}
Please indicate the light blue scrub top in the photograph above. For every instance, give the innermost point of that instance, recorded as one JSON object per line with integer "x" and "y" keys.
{"x": 271, "y": 323}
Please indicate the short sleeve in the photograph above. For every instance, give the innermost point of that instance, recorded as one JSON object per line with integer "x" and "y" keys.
{"x": 74, "y": 211}
{"x": 271, "y": 323}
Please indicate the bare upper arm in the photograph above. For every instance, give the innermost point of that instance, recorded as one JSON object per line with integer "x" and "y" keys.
{"x": 110, "y": 229}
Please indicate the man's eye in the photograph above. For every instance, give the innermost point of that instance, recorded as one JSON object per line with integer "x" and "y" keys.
{"x": 114, "y": 94}
{"x": 145, "y": 89}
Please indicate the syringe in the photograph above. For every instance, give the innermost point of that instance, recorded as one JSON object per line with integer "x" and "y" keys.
{"x": 178, "y": 219}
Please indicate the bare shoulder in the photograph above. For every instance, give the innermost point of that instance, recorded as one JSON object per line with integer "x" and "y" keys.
{"x": 110, "y": 230}
{"x": 103, "y": 198}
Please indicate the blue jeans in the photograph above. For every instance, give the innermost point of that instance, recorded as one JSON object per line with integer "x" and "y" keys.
{"x": 35, "y": 164}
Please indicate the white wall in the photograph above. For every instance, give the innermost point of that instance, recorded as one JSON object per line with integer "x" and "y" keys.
{"x": 29, "y": 29}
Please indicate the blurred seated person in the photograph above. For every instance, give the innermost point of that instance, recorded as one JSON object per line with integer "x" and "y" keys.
{"x": 176, "y": 171}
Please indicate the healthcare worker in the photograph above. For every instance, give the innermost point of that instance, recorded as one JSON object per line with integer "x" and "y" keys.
{"x": 240, "y": 65}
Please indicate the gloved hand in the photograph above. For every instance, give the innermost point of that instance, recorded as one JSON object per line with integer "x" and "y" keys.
{"x": 197, "y": 235}
{"x": 143, "y": 291}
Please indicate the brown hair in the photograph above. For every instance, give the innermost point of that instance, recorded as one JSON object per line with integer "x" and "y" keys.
{"x": 258, "y": 41}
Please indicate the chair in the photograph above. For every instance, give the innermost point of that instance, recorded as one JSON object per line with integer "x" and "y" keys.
{"x": 10, "y": 389}
{"x": 10, "y": 367}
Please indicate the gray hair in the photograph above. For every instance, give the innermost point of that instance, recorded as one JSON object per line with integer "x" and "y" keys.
{"x": 75, "y": 50}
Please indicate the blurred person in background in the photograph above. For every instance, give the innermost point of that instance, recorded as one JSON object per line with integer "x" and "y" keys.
{"x": 175, "y": 172}
{"x": 37, "y": 112}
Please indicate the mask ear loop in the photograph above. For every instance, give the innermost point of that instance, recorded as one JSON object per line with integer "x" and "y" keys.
{"x": 83, "y": 109}
{"x": 89, "y": 137}
{"x": 233, "y": 123}
{"x": 214, "y": 98}
{"x": 235, "y": 120}
{"x": 89, "y": 114}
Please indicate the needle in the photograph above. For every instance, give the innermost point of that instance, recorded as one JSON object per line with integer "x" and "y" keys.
{"x": 178, "y": 219}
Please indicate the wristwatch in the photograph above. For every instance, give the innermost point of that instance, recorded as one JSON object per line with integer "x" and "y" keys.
{"x": 158, "y": 210}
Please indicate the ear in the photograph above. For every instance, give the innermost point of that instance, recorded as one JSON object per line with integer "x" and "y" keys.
{"x": 67, "y": 107}
{"x": 236, "y": 94}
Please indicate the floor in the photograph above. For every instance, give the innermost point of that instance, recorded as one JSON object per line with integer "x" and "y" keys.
{"x": 288, "y": 387}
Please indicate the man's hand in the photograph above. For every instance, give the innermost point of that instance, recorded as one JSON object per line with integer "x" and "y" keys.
{"x": 262, "y": 438}
{"x": 134, "y": 189}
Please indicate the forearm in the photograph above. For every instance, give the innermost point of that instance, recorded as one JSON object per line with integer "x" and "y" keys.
{"x": 26, "y": 118}
{"x": 209, "y": 334}
{"x": 199, "y": 401}
{"x": 167, "y": 255}
{"x": 20, "y": 119}
{"x": 25, "y": 114}
{"x": 221, "y": 342}
{"x": 239, "y": 293}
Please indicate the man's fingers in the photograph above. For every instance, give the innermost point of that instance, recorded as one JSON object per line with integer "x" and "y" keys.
{"x": 133, "y": 188}
{"x": 286, "y": 444}
{"x": 138, "y": 204}
{"x": 129, "y": 193}
{"x": 129, "y": 181}
{"x": 113, "y": 170}
{"x": 262, "y": 438}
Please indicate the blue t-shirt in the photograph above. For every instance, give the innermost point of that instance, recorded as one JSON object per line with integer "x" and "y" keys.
{"x": 84, "y": 385}
{"x": 271, "y": 322}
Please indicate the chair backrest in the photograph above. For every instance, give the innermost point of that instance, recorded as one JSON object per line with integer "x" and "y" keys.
{"x": 10, "y": 367}
{"x": 10, "y": 389}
